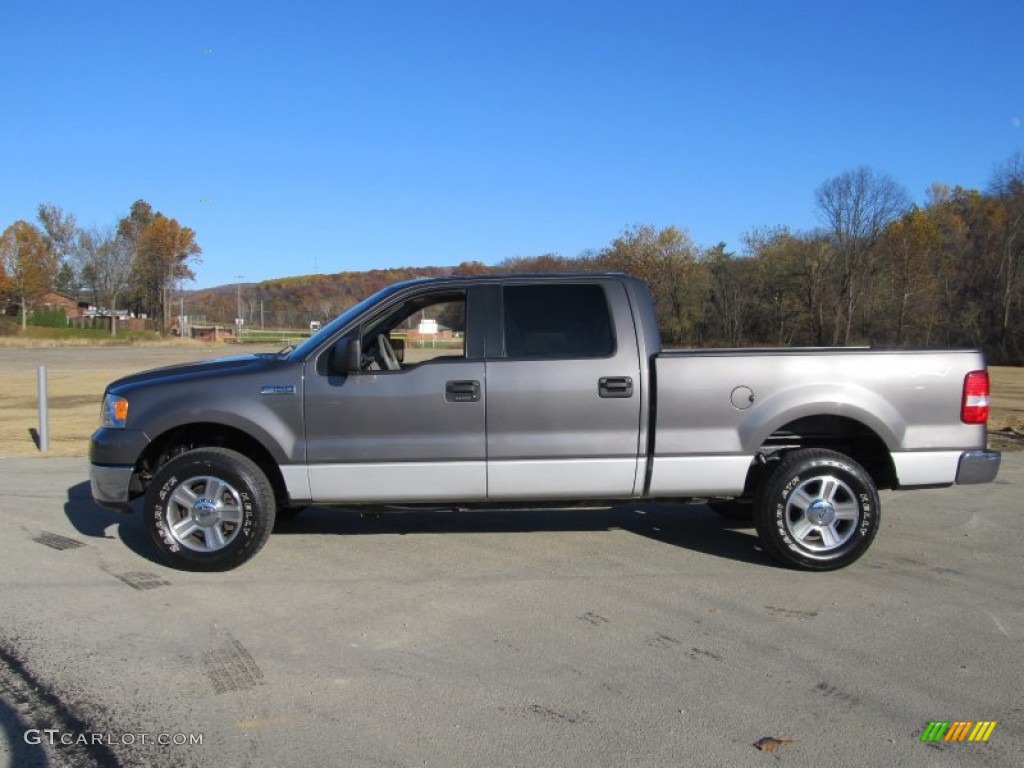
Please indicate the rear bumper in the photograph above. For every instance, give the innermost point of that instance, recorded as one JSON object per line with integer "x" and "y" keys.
{"x": 978, "y": 467}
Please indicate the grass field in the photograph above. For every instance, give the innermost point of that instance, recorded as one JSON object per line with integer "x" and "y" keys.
{"x": 76, "y": 377}
{"x": 78, "y": 374}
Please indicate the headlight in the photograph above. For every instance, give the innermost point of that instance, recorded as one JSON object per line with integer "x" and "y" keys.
{"x": 115, "y": 412}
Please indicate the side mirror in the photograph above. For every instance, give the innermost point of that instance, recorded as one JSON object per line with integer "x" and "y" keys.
{"x": 345, "y": 357}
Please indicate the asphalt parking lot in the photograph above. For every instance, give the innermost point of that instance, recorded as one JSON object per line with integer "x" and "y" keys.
{"x": 639, "y": 636}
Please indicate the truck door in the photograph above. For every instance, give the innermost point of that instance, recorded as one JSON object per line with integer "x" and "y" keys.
{"x": 410, "y": 425}
{"x": 563, "y": 392}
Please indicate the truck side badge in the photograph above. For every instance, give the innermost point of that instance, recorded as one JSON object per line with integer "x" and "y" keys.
{"x": 277, "y": 389}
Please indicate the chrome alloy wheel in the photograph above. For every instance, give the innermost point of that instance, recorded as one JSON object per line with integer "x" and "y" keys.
{"x": 821, "y": 513}
{"x": 204, "y": 514}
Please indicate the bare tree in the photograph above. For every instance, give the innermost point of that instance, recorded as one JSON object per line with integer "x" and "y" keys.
{"x": 60, "y": 232}
{"x": 856, "y": 206}
{"x": 1007, "y": 186}
{"x": 106, "y": 256}
{"x": 728, "y": 284}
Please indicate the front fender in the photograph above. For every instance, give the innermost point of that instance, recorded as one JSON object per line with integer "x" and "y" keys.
{"x": 274, "y": 419}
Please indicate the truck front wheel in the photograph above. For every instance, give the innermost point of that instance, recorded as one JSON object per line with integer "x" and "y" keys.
{"x": 209, "y": 509}
{"x": 818, "y": 510}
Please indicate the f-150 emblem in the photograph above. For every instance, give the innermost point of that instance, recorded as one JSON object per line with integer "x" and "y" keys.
{"x": 277, "y": 389}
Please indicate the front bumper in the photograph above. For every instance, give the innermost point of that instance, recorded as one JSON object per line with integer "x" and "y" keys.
{"x": 978, "y": 467}
{"x": 111, "y": 485}
{"x": 112, "y": 456}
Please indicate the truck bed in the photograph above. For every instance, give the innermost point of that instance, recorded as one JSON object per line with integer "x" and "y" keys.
{"x": 716, "y": 407}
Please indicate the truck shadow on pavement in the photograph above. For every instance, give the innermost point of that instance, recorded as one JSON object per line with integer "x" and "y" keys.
{"x": 689, "y": 527}
{"x": 94, "y": 521}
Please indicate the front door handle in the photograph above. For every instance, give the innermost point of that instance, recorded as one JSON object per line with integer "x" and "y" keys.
{"x": 615, "y": 386}
{"x": 462, "y": 391}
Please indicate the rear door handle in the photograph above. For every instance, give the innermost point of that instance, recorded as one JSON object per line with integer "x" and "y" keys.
{"x": 462, "y": 391}
{"x": 615, "y": 386}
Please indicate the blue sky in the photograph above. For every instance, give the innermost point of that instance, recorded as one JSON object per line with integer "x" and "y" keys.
{"x": 353, "y": 135}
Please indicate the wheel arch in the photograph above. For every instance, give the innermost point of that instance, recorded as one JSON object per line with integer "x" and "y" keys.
{"x": 186, "y": 437}
{"x": 842, "y": 434}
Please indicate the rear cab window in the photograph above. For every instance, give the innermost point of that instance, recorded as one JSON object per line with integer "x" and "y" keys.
{"x": 557, "y": 321}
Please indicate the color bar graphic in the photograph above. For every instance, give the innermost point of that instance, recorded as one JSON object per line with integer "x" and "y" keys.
{"x": 958, "y": 730}
{"x": 982, "y": 730}
{"x": 935, "y": 731}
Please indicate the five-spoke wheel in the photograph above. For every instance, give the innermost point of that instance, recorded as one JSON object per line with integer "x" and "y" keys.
{"x": 818, "y": 510}
{"x": 204, "y": 514}
{"x": 822, "y": 513}
{"x": 209, "y": 509}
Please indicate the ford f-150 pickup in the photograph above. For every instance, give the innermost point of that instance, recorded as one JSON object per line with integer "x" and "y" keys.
{"x": 541, "y": 390}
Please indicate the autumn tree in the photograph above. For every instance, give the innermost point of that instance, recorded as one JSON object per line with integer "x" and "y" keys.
{"x": 471, "y": 268}
{"x": 776, "y": 302}
{"x": 672, "y": 265}
{"x": 811, "y": 261}
{"x": 945, "y": 317}
{"x": 910, "y": 251}
{"x": 974, "y": 311}
{"x": 162, "y": 251}
{"x": 27, "y": 266}
{"x": 547, "y": 262}
{"x": 855, "y": 207}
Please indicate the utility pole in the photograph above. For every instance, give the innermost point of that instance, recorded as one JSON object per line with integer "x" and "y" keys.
{"x": 238, "y": 317}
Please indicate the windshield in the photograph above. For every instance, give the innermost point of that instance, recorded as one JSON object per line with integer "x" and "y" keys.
{"x": 305, "y": 348}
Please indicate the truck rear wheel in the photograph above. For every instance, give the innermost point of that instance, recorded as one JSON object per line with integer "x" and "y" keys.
{"x": 209, "y": 509}
{"x": 818, "y": 510}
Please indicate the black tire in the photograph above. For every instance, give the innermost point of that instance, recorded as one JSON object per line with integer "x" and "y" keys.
{"x": 818, "y": 510}
{"x": 209, "y": 509}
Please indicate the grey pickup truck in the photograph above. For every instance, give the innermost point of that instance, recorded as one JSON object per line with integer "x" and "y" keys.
{"x": 538, "y": 390}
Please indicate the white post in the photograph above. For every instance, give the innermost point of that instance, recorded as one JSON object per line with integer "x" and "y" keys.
{"x": 44, "y": 428}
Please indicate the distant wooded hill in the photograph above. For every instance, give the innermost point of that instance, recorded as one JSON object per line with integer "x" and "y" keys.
{"x": 292, "y": 302}
{"x": 879, "y": 272}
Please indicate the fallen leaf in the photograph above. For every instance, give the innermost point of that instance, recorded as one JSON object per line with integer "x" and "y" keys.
{"x": 769, "y": 743}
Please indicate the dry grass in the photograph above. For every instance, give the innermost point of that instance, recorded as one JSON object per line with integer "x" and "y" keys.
{"x": 74, "y": 403}
{"x": 77, "y": 377}
{"x": 1006, "y": 423}
{"x": 21, "y": 342}
{"x": 1007, "y": 398}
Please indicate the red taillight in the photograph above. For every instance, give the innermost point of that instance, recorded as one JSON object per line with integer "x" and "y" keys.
{"x": 974, "y": 409}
